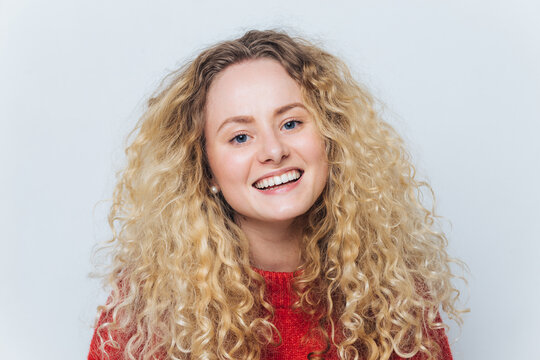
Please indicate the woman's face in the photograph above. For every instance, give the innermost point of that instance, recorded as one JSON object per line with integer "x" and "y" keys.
{"x": 265, "y": 152}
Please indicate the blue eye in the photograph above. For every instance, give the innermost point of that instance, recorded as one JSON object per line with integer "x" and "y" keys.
{"x": 291, "y": 124}
{"x": 240, "y": 138}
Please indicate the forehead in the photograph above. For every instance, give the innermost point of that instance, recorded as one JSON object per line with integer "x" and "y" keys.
{"x": 250, "y": 88}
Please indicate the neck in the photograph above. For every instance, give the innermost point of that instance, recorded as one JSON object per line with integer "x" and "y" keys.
{"x": 273, "y": 246}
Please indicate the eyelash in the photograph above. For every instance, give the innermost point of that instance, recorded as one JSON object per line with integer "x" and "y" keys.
{"x": 296, "y": 122}
{"x": 235, "y": 138}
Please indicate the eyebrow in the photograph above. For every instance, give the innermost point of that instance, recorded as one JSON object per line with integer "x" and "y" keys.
{"x": 242, "y": 119}
{"x": 285, "y": 108}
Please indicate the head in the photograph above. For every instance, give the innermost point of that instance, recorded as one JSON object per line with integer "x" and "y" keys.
{"x": 263, "y": 146}
{"x": 232, "y": 123}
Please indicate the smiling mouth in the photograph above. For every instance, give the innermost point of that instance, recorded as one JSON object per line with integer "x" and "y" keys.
{"x": 273, "y": 182}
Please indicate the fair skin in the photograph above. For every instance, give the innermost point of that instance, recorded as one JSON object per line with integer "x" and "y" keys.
{"x": 266, "y": 157}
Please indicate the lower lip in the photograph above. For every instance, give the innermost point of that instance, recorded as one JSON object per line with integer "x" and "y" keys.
{"x": 282, "y": 188}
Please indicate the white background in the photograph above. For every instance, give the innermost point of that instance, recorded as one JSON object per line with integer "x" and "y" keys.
{"x": 460, "y": 80}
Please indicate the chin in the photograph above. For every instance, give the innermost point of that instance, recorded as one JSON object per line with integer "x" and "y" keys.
{"x": 283, "y": 216}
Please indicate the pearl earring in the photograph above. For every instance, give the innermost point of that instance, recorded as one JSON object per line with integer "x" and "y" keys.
{"x": 214, "y": 189}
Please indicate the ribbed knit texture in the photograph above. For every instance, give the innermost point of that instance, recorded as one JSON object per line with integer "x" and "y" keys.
{"x": 291, "y": 325}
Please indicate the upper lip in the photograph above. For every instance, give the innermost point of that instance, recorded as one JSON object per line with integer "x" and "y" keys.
{"x": 277, "y": 173}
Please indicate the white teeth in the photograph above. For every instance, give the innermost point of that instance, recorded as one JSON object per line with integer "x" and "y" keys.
{"x": 277, "y": 180}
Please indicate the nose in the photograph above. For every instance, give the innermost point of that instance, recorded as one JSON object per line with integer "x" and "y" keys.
{"x": 272, "y": 148}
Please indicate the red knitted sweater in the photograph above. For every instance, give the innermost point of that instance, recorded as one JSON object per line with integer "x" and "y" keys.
{"x": 292, "y": 327}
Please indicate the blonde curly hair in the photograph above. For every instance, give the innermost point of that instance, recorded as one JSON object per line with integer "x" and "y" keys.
{"x": 374, "y": 272}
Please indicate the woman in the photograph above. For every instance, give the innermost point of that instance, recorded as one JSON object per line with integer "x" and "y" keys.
{"x": 267, "y": 212}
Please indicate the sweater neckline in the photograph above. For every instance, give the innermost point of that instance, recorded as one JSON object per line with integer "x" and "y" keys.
{"x": 278, "y": 287}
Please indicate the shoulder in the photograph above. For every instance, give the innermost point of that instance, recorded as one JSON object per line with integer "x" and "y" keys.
{"x": 108, "y": 341}
{"x": 102, "y": 344}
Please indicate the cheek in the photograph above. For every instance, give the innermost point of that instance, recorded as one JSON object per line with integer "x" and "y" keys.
{"x": 314, "y": 148}
{"x": 316, "y": 151}
{"x": 229, "y": 167}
